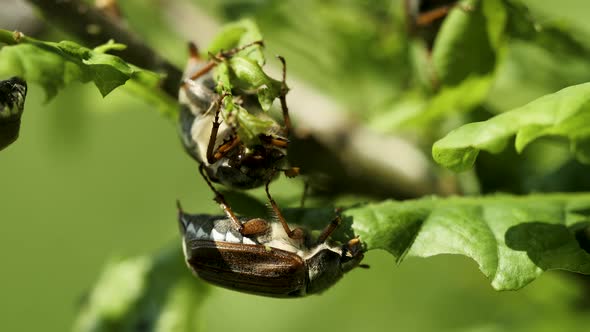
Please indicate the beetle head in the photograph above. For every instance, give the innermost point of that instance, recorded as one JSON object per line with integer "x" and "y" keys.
{"x": 352, "y": 254}
{"x": 12, "y": 94}
{"x": 328, "y": 264}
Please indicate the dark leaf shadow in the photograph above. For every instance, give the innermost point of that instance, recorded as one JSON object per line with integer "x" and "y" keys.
{"x": 245, "y": 204}
{"x": 547, "y": 244}
{"x": 581, "y": 231}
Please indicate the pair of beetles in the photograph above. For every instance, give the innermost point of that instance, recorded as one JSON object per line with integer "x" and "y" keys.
{"x": 249, "y": 255}
{"x": 254, "y": 255}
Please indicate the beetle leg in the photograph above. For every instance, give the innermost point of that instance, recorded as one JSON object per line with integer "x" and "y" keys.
{"x": 213, "y": 137}
{"x": 193, "y": 51}
{"x": 291, "y": 172}
{"x": 228, "y": 54}
{"x": 426, "y": 18}
{"x": 283, "y": 97}
{"x": 222, "y": 150}
{"x": 329, "y": 229}
{"x": 195, "y": 56}
{"x": 276, "y": 141}
{"x": 220, "y": 57}
{"x": 221, "y": 201}
{"x": 296, "y": 233}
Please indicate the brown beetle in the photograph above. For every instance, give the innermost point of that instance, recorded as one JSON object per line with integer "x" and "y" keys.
{"x": 222, "y": 155}
{"x": 268, "y": 263}
{"x": 13, "y": 92}
{"x": 214, "y": 143}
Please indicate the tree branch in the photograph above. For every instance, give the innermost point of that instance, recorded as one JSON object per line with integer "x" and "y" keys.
{"x": 329, "y": 143}
{"x": 91, "y": 25}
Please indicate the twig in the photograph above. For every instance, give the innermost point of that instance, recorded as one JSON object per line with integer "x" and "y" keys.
{"x": 95, "y": 28}
{"x": 354, "y": 159}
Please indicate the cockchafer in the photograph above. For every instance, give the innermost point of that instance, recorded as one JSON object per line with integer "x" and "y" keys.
{"x": 222, "y": 156}
{"x": 215, "y": 144}
{"x": 266, "y": 261}
{"x": 13, "y": 93}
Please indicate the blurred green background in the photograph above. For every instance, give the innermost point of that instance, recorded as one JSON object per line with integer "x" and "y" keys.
{"x": 92, "y": 179}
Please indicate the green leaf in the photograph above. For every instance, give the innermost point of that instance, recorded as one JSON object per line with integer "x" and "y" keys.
{"x": 238, "y": 34}
{"x": 461, "y": 97}
{"x": 466, "y": 54}
{"x": 250, "y": 76}
{"x": 565, "y": 113}
{"x": 36, "y": 65}
{"x": 53, "y": 65}
{"x": 533, "y": 66}
{"x": 512, "y": 239}
{"x": 250, "y": 126}
{"x": 179, "y": 313}
{"x": 468, "y": 41}
{"x": 242, "y": 76}
{"x": 156, "y": 294}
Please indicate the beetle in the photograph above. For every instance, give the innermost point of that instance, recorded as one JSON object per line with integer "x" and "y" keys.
{"x": 215, "y": 145}
{"x": 268, "y": 262}
{"x": 222, "y": 156}
{"x": 13, "y": 93}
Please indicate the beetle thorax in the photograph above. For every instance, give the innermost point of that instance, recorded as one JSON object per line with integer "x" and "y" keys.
{"x": 323, "y": 267}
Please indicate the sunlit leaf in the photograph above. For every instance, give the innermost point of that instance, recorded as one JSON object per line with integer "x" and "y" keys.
{"x": 565, "y": 113}
{"x": 53, "y": 65}
{"x": 243, "y": 72}
{"x": 238, "y": 34}
{"x": 249, "y": 125}
{"x": 512, "y": 239}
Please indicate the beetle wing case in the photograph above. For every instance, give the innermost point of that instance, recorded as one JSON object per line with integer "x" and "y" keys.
{"x": 267, "y": 264}
{"x": 252, "y": 269}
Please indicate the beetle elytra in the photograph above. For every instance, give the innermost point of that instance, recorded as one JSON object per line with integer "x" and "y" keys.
{"x": 268, "y": 263}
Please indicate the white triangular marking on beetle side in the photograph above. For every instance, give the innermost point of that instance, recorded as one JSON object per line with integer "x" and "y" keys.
{"x": 230, "y": 237}
{"x": 190, "y": 229}
{"x": 247, "y": 240}
{"x": 201, "y": 235}
{"x": 216, "y": 236}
